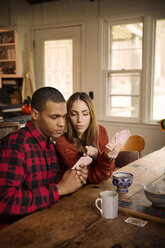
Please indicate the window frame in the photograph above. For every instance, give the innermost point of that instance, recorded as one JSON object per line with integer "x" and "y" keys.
{"x": 147, "y": 69}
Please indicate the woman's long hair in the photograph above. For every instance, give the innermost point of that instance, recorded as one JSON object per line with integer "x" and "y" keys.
{"x": 90, "y": 137}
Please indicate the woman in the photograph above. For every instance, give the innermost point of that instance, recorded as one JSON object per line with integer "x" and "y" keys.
{"x": 85, "y": 138}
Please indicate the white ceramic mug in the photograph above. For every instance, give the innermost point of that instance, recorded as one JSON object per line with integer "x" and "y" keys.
{"x": 109, "y": 204}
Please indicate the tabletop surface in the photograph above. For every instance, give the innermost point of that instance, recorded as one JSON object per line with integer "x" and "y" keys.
{"x": 75, "y": 221}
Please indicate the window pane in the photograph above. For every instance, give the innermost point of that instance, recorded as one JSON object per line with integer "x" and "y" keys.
{"x": 58, "y": 65}
{"x": 124, "y": 106}
{"x": 125, "y": 84}
{"x": 123, "y": 94}
{"x": 125, "y": 46}
{"x": 159, "y": 72}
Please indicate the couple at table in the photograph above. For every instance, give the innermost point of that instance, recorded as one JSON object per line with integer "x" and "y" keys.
{"x": 34, "y": 172}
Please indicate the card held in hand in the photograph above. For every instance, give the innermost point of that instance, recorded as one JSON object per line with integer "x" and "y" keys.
{"x": 83, "y": 160}
{"x": 119, "y": 138}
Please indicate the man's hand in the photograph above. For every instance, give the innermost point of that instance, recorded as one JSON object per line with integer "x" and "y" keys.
{"x": 82, "y": 171}
{"x": 70, "y": 182}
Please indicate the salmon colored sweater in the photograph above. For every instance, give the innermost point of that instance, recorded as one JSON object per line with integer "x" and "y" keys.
{"x": 99, "y": 170}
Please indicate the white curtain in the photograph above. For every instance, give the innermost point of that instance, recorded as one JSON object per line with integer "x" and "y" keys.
{"x": 28, "y": 86}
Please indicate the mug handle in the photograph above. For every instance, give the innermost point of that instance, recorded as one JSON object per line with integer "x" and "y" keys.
{"x": 96, "y": 203}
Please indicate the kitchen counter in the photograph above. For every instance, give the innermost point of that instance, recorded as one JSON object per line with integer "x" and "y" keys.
{"x": 22, "y": 119}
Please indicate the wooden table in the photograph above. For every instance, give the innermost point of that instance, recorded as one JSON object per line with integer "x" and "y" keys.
{"x": 75, "y": 222}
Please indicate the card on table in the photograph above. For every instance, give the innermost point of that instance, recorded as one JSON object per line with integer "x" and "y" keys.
{"x": 83, "y": 160}
{"x": 119, "y": 138}
{"x": 136, "y": 221}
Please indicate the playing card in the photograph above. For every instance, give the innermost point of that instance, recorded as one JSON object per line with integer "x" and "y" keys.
{"x": 83, "y": 160}
{"x": 119, "y": 138}
{"x": 136, "y": 221}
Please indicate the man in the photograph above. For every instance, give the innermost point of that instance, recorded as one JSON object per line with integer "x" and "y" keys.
{"x": 30, "y": 175}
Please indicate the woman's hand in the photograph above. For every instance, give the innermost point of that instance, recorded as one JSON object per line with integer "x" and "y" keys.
{"x": 112, "y": 152}
{"x": 91, "y": 152}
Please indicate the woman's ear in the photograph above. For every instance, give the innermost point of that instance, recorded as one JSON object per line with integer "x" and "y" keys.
{"x": 34, "y": 114}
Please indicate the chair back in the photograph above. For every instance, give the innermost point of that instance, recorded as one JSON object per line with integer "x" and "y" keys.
{"x": 126, "y": 157}
{"x": 8, "y": 127}
{"x": 134, "y": 143}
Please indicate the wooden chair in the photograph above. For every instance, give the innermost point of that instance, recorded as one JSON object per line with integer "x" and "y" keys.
{"x": 134, "y": 143}
{"x": 126, "y": 157}
{"x": 8, "y": 127}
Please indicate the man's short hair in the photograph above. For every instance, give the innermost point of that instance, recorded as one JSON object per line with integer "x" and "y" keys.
{"x": 43, "y": 95}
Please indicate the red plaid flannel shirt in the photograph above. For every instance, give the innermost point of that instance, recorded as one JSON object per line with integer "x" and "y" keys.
{"x": 29, "y": 172}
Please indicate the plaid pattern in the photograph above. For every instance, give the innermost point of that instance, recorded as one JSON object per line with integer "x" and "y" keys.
{"x": 29, "y": 172}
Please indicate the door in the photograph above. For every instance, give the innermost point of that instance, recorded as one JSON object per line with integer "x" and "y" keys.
{"x": 58, "y": 58}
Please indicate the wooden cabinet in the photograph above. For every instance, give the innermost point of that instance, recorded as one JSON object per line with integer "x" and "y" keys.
{"x": 8, "y": 53}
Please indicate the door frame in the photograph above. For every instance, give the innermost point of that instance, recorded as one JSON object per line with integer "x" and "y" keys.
{"x": 82, "y": 45}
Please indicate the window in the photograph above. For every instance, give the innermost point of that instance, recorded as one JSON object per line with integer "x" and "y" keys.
{"x": 58, "y": 65}
{"x": 159, "y": 72}
{"x": 126, "y": 86}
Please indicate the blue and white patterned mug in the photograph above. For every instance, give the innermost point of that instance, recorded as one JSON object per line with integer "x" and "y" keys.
{"x": 122, "y": 180}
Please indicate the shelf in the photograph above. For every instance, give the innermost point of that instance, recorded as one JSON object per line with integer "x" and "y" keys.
{"x": 7, "y": 60}
{"x": 7, "y": 75}
{"x": 7, "y": 44}
{"x": 8, "y": 53}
